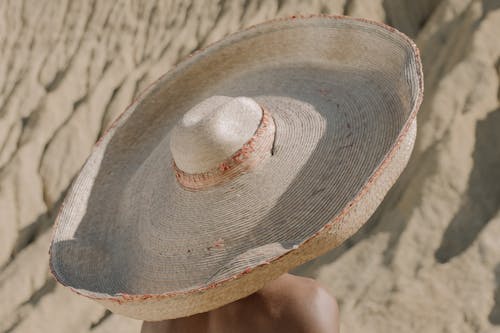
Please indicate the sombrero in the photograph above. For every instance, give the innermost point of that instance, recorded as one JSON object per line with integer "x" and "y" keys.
{"x": 252, "y": 156}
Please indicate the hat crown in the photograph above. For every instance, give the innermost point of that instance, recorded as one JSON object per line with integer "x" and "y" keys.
{"x": 212, "y": 131}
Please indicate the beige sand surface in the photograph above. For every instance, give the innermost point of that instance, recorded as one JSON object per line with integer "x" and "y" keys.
{"x": 428, "y": 261}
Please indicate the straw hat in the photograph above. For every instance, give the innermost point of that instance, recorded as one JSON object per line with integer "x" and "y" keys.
{"x": 251, "y": 157}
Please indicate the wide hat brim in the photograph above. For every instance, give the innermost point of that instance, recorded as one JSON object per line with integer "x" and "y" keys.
{"x": 343, "y": 94}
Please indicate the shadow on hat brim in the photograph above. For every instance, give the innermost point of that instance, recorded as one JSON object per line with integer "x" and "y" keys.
{"x": 345, "y": 92}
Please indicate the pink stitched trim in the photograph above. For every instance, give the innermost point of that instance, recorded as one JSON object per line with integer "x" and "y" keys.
{"x": 251, "y": 154}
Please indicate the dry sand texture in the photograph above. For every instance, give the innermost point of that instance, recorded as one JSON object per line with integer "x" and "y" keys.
{"x": 429, "y": 260}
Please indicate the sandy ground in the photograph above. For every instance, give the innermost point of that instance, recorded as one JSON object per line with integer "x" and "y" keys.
{"x": 429, "y": 259}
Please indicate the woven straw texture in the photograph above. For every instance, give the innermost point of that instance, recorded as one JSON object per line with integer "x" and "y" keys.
{"x": 343, "y": 94}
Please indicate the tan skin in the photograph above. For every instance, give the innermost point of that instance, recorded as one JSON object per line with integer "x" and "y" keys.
{"x": 288, "y": 304}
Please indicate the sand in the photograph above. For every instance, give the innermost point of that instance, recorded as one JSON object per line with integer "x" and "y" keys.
{"x": 428, "y": 260}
